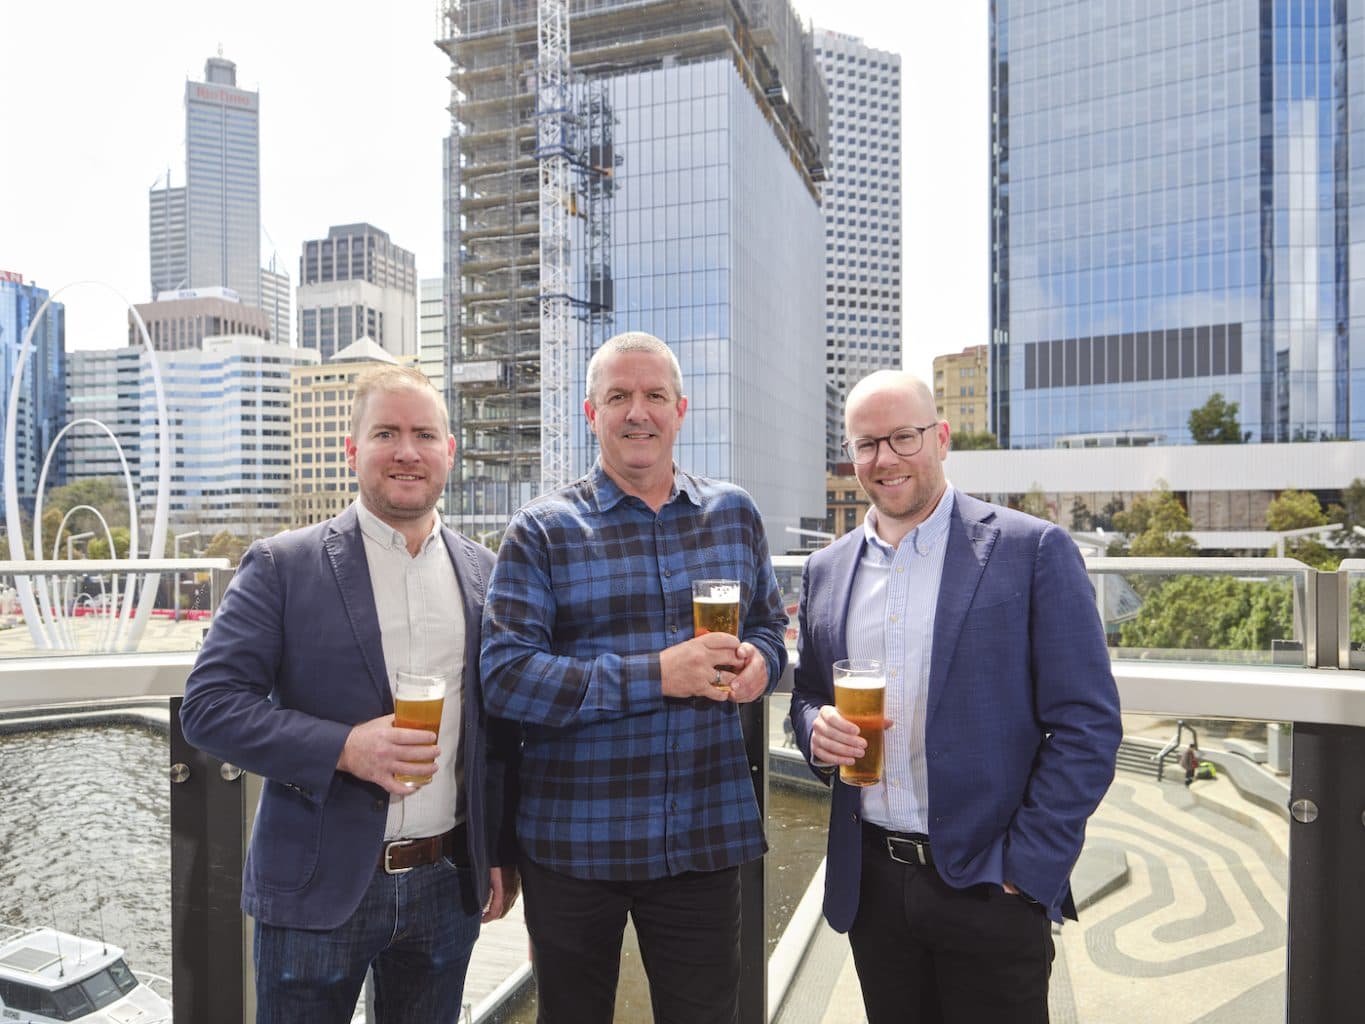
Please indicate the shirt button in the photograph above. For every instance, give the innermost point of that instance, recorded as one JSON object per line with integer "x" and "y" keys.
{"x": 672, "y": 629}
{"x": 900, "y": 568}
{"x": 673, "y": 805}
{"x": 667, "y": 574}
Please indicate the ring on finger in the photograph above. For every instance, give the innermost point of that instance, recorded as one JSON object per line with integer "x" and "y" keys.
{"x": 715, "y": 681}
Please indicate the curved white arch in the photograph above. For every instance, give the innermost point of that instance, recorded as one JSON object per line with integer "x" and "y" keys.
{"x": 13, "y": 522}
{"x": 59, "y": 623}
{"x": 132, "y": 513}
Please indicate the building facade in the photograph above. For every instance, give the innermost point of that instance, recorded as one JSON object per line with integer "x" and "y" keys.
{"x": 353, "y": 284}
{"x": 104, "y": 385}
{"x": 42, "y": 396}
{"x": 181, "y": 320}
{"x": 694, "y": 215}
{"x": 229, "y": 406}
{"x": 206, "y": 233}
{"x": 1176, "y": 213}
{"x": 431, "y": 330}
{"x": 962, "y": 389}
{"x": 862, "y": 203}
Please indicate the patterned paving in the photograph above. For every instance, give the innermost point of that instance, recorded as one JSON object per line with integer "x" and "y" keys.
{"x": 1198, "y": 933}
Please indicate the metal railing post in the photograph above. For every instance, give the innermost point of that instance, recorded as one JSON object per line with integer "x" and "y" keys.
{"x": 209, "y": 961}
{"x": 753, "y": 925}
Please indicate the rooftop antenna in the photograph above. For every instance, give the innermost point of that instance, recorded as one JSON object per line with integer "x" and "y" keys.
{"x": 57, "y": 941}
{"x": 99, "y": 910}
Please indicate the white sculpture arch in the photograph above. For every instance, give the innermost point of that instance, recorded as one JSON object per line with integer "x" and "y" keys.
{"x": 134, "y": 621}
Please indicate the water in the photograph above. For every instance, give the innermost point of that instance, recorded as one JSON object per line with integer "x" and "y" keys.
{"x": 87, "y": 833}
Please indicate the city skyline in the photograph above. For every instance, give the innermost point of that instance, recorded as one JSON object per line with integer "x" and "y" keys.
{"x": 340, "y": 148}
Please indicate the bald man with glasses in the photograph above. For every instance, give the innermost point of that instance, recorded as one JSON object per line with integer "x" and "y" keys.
{"x": 949, "y": 873}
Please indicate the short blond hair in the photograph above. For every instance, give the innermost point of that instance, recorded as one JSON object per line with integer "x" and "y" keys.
{"x": 389, "y": 378}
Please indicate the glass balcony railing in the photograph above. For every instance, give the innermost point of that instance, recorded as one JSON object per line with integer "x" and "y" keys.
{"x": 1236, "y": 895}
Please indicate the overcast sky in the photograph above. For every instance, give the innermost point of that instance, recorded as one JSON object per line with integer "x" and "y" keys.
{"x": 353, "y": 111}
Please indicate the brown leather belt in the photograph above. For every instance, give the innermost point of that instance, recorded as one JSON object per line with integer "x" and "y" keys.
{"x": 902, "y": 847}
{"x": 400, "y": 855}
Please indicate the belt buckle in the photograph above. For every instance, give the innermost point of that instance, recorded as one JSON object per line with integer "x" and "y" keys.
{"x": 388, "y": 850}
{"x": 917, "y": 844}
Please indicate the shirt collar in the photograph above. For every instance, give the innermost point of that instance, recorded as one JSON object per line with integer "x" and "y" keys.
{"x": 385, "y": 535}
{"x": 924, "y": 536}
{"x": 607, "y": 494}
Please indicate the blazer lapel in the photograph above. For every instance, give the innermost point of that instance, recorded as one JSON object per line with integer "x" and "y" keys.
{"x": 839, "y": 593}
{"x": 346, "y": 552}
{"x": 469, "y": 574}
{"x": 970, "y": 539}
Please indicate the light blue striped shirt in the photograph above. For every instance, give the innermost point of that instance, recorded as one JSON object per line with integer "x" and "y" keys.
{"x": 891, "y": 618}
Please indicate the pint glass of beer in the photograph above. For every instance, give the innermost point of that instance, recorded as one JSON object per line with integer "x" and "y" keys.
{"x": 418, "y": 700}
{"x": 860, "y": 697}
{"x": 715, "y": 609}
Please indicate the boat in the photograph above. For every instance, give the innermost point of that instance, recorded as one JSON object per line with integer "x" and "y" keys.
{"x": 47, "y": 976}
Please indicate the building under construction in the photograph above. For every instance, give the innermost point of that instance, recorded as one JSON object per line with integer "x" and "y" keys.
{"x": 641, "y": 164}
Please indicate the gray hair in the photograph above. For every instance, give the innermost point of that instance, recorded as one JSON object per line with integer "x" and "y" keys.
{"x": 392, "y": 378}
{"x": 632, "y": 341}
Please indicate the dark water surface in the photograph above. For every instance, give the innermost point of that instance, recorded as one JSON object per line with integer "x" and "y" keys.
{"x": 85, "y": 832}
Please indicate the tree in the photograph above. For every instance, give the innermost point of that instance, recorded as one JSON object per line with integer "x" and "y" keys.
{"x": 1104, "y": 518}
{"x": 1157, "y": 523}
{"x": 1213, "y": 613}
{"x": 1035, "y": 503}
{"x": 1294, "y": 510}
{"x": 106, "y": 493}
{"x": 1081, "y": 517}
{"x": 99, "y": 547}
{"x": 1215, "y": 422}
{"x": 226, "y": 544}
{"x": 975, "y": 441}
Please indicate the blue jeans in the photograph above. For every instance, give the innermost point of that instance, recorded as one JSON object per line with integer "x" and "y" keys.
{"x": 412, "y": 927}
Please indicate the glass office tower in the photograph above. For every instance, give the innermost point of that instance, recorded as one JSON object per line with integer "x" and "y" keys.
{"x": 1173, "y": 216}
{"x": 42, "y": 398}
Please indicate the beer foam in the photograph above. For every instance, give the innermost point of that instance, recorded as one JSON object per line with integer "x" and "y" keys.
{"x": 713, "y": 599}
{"x": 861, "y": 683}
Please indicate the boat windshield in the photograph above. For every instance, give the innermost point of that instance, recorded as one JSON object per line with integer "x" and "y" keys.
{"x": 75, "y": 1000}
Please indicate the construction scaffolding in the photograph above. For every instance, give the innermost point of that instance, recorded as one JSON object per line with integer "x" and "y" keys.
{"x": 530, "y": 183}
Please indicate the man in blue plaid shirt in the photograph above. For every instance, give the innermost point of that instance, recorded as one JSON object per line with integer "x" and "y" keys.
{"x": 635, "y": 791}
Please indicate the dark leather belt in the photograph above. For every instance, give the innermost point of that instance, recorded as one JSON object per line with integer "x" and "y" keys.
{"x": 902, "y": 847}
{"x": 400, "y": 855}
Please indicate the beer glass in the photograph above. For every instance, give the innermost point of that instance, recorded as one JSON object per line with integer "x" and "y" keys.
{"x": 860, "y": 697}
{"x": 715, "y": 609}
{"x": 418, "y": 700}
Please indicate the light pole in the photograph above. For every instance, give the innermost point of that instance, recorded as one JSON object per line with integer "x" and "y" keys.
{"x": 71, "y": 539}
{"x": 175, "y": 589}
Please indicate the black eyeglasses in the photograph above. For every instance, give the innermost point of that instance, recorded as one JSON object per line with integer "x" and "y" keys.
{"x": 905, "y": 442}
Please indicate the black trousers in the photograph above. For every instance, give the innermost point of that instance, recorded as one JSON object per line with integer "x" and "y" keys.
{"x": 688, "y": 927}
{"x": 927, "y": 953}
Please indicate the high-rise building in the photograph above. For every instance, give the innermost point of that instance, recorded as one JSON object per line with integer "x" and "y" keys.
{"x": 182, "y": 320}
{"x": 1177, "y": 211}
{"x": 431, "y": 331}
{"x": 862, "y": 200}
{"x": 962, "y": 389}
{"x": 322, "y": 483}
{"x": 42, "y": 397}
{"x": 104, "y": 385}
{"x": 276, "y": 303}
{"x": 354, "y": 284}
{"x": 207, "y": 232}
{"x": 229, "y": 407}
{"x": 698, "y": 132}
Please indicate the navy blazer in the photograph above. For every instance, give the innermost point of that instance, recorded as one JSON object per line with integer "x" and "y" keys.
{"x": 292, "y": 661}
{"x": 1023, "y": 717}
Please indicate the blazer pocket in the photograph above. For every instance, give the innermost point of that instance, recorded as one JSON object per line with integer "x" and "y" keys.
{"x": 285, "y": 838}
{"x": 998, "y": 613}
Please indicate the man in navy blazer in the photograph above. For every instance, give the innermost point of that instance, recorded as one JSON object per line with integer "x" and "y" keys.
{"x": 349, "y": 867}
{"x": 1004, "y": 723}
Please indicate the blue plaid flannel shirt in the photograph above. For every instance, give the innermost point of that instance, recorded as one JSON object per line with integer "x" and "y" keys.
{"x": 590, "y": 585}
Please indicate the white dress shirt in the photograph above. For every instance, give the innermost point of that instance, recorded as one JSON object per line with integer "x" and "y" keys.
{"x": 422, "y": 630}
{"x": 891, "y": 619}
